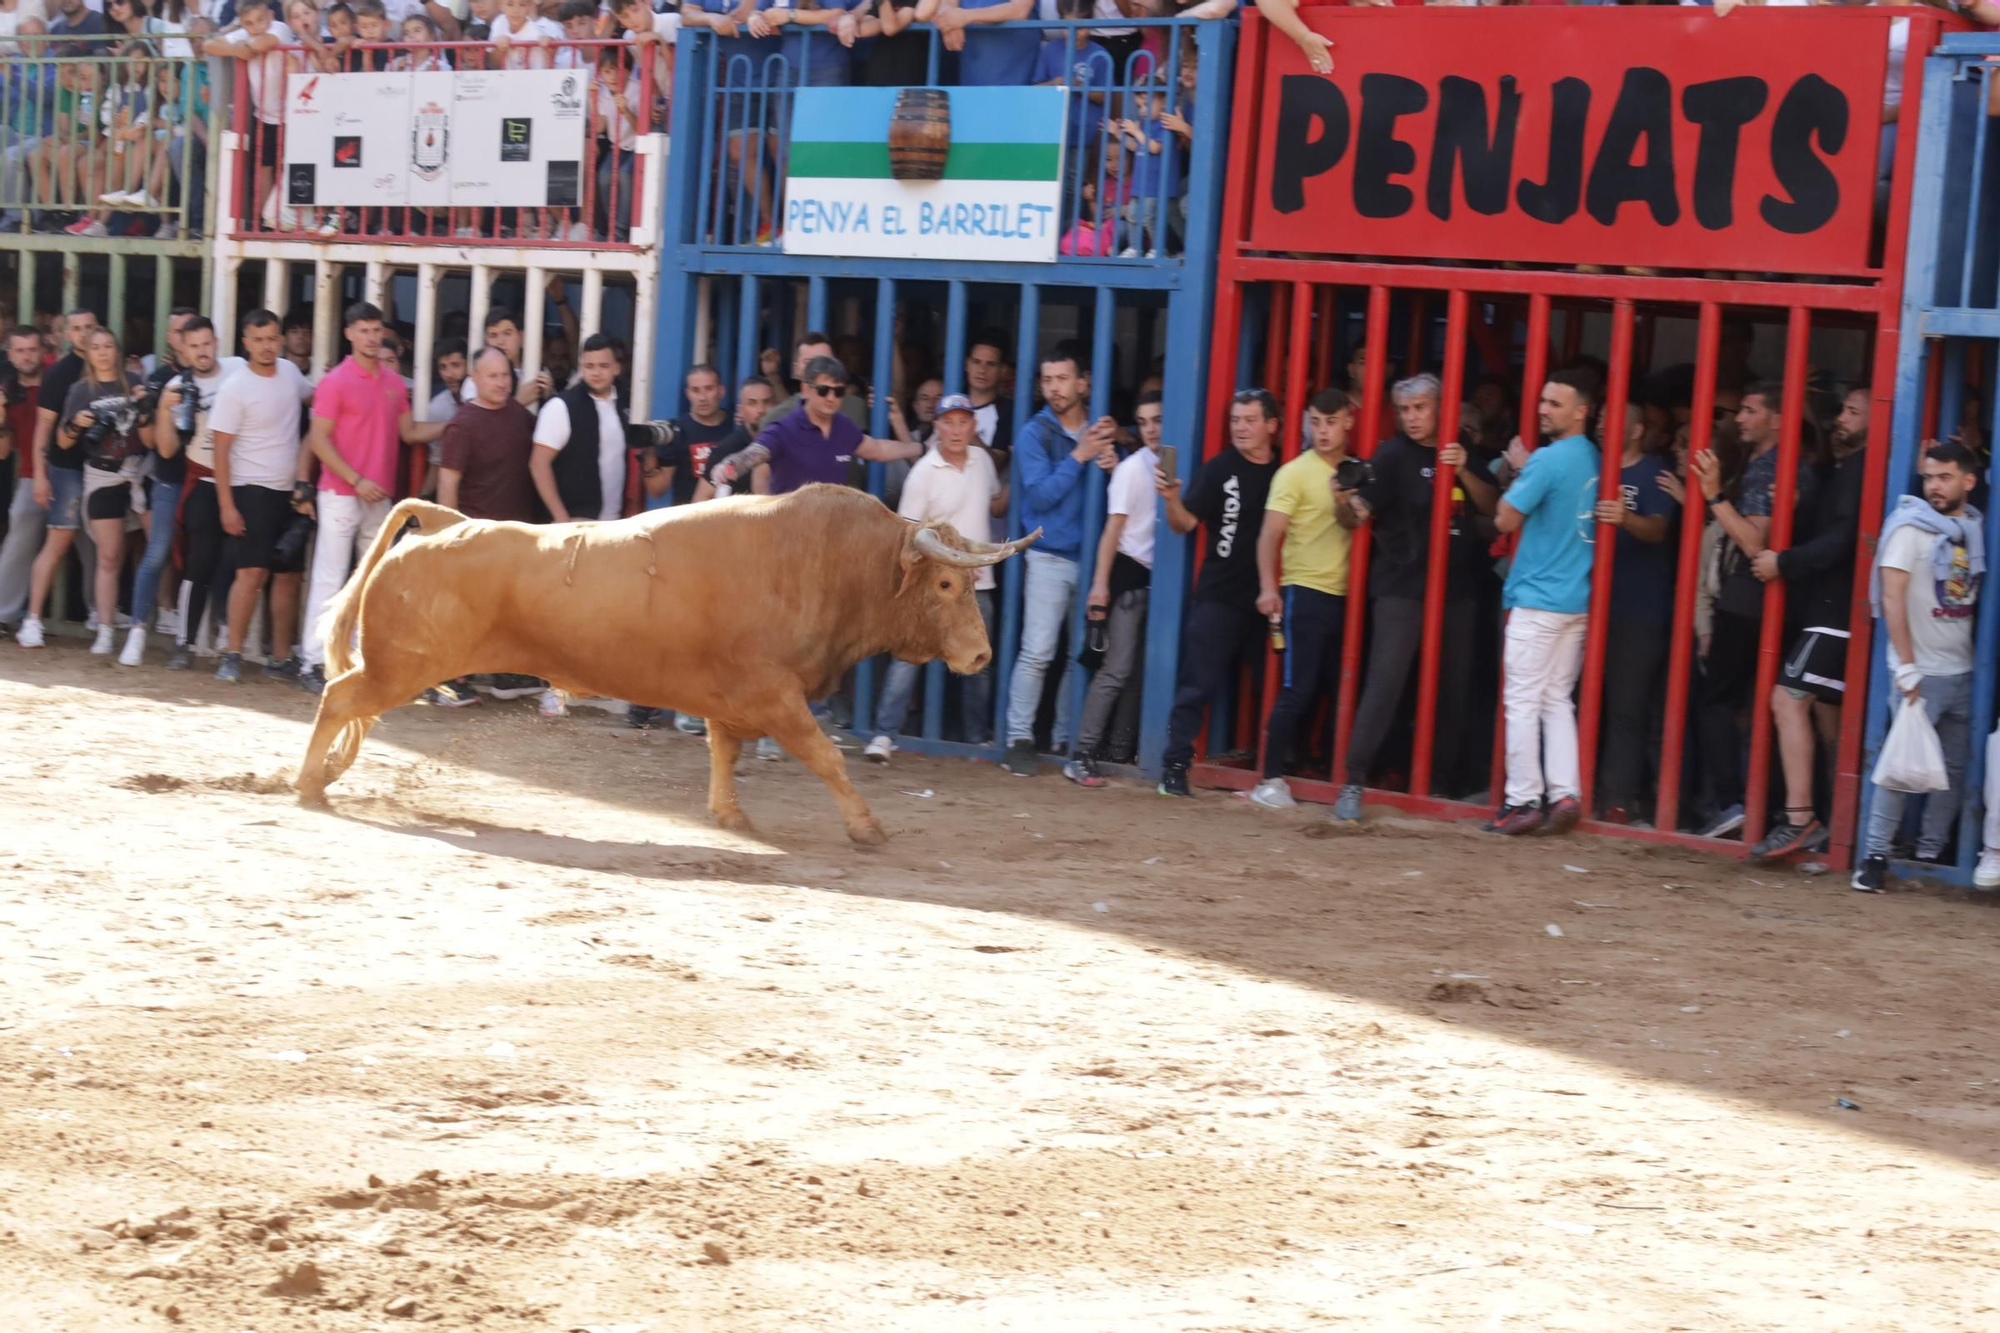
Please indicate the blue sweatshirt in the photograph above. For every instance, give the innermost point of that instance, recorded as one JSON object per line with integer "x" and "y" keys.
{"x": 1051, "y": 485}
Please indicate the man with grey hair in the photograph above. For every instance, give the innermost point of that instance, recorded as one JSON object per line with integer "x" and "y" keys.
{"x": 1397, "y": 504}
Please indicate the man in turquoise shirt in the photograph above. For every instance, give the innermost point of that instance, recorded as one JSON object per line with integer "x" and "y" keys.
{"x": 1551, "y": 504}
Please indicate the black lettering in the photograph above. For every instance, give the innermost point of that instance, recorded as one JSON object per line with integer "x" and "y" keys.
{"x": 1378, "y": 153}
{"x": 1721, "y": 107}
{"x": 1553, "y": 199}
{"x": 1642, "y": 118}
{"x": 1298, "y": 155}
{"x": 1813, "y": 109}
{"x": 1462, "y": 137}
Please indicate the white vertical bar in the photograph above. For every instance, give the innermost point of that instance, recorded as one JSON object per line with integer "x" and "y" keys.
{"x": 533, "y": 299}
{"x": 277, "y": 291}
{"x": 645, "y": 296}
{"x": 479, "y": 302}
{"x": 326, "y": 317}
{"x": 222, "y": 308}
{"x": 375, "y": 282}
{"x": 426, "y": 349}
{"x": 591, "y": 318}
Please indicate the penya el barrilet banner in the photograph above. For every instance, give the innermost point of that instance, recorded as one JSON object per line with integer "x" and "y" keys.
{"x": 1665, "y": 137}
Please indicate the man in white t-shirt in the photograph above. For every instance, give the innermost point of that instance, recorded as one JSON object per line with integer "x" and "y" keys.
{"x": 954, "y": 483}
{"x": 260, "y": 476}
{"x": 1119, "y": 588}
{"x": 1932, "y": 558}
{"x": 257, "y": 40}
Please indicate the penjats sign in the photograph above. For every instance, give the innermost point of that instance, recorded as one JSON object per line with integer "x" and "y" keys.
{"x": 1662, "y": 137}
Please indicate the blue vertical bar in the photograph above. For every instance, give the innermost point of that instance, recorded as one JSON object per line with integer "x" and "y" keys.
{"x": 815, "y": 304}
{"x": 1977, "y": 197}
{"x": 674, "y": 318}
{"x": 1985, "y": 643}
{"x": 1012, "y": 578}
{"x": 878, "y": 427}
{"x": 733, "y": 371}
{"x": 746, "y": 320}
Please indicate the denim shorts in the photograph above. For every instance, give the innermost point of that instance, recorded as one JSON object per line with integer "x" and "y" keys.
{"x": 66, "y": 505}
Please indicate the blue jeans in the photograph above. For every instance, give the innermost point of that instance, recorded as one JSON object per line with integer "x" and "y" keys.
{"x": 1948, "y": 703}
{"x": 975, "y": 697}
{"x": 163, "y": 498}
{"x": 1045, "y": 606}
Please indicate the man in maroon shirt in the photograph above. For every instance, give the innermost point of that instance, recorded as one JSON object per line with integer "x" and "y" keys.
{"x": 484, "y": 470}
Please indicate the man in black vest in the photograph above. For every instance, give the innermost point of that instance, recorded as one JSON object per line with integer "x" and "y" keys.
{"x": 578, "y": 461}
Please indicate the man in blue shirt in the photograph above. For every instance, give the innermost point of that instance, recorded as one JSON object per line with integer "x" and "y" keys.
{"x": 1053, "y": 452}
{"x": 821, "y": 62}
{"x": 1001, "y": 57}
{"x": 1552, "y": 504}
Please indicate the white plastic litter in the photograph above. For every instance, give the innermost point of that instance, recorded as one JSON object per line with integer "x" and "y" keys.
{"x": 1555, "y": 931}
{"x": 1576, "y": 870}
{"x": 1912, "y": 759}
{"x": 1100, "y": 907}
{"x": 291, "y": 1057}
{"x": 501, "y": 1049}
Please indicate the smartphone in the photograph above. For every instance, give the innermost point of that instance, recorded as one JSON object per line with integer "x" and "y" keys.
{"x": 1170, "y": 458}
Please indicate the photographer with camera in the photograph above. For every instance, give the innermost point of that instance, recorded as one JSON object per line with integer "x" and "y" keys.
{"x": 1396, "y": 503}
{"x": 180, "y": 435}
{"x": 20, "y": 399}
{"x": 1302, "y": 553}
{"x": 86, "y": 475}
{"x": 360, "y": 421}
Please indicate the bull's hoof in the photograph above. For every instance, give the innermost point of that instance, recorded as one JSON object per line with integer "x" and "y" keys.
{"x": 867, "y": 833}
{"x": 735, "y": 821}
{"x": 313, "y": 798}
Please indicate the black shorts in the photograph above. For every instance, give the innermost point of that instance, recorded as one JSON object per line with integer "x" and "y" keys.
{"x": 267, "y": 142}
{"x": 265, "y": 513}
{"x": 108, "y": 502}
{"x": 1816, "y": 665}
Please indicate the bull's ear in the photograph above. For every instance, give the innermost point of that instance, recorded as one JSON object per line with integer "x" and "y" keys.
{"x": 910, "y": 562}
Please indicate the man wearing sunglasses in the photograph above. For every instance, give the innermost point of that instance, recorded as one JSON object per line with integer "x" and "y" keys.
{"x": 815, "y": 442}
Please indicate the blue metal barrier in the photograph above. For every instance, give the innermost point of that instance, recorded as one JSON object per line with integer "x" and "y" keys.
{"x": 732, "y": 119}
{"x": 1951, "y": 307}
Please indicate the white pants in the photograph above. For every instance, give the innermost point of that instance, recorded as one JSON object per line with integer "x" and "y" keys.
{"x": 345, "y": 522}
{"x": 1991, "y": 836}
{"x": 1544, "y": 655}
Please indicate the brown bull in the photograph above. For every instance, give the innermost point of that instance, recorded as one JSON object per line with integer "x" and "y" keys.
{"x": 739, "y": 611}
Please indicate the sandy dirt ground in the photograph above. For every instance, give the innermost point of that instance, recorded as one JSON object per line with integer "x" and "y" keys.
{"x": 512, "y": 1040}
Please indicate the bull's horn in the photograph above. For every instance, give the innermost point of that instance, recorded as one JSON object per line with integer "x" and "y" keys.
{"x": 1003, "y": 551}
{"x": 934, "y": 546}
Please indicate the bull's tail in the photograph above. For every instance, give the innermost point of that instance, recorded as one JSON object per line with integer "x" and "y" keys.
{"x": 344, "y": 608}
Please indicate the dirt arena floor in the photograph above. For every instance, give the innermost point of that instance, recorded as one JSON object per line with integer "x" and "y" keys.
{"x": 512, "y": 1040}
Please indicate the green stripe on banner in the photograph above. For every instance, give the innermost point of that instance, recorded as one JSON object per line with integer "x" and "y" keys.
{"x": 968, "y": 161}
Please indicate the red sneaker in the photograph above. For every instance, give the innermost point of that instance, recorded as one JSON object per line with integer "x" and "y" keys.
{"x": 1564, "y": 815}
{"x": 1514, "y": 820}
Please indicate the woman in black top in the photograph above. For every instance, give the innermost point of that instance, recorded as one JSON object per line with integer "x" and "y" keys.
{"x": 90, "y": 479}
{"x": 900, "y": 57}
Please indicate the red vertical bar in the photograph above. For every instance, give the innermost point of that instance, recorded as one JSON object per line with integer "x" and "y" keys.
{"x": 1325, "y": 335}
{"x": 1534, "y": 370}
{"x": 1376, "y": 345}
{"x": 1413, "y": 354}
{"x": 1298, "y": 343}
{"x": 1443, "y": 479}
{"x": 1770, "y": 644}
{"x": 1680, "y": 660}
{"x": 1597, "y": 630}
{"x": 1274, "y": 334}
{"x": 1933, "y": 392}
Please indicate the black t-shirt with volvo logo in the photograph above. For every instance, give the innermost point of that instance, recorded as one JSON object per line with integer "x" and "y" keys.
{"x": 1228, "y": 497}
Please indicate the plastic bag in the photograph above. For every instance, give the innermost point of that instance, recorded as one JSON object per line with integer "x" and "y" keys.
{"x": 1912, "y": 760}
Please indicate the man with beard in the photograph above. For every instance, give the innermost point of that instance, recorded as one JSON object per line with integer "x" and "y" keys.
{"x": 1818, "y": 569}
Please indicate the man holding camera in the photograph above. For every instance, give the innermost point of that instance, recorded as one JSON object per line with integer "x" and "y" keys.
{"x": 182, "y": 419}
{"x": 1397, "y": 503}
{"x": 360, "y": 419}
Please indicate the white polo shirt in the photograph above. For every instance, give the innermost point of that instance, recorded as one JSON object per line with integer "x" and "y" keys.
{"x": 962, "y": 497}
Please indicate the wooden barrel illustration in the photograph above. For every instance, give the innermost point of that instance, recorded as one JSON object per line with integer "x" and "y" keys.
{"x": 920, "y": 134}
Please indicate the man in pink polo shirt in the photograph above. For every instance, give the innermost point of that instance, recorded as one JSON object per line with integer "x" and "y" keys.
{"x": 360, "y": 415}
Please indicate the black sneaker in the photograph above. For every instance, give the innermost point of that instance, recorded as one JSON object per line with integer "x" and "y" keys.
{"x": 230, "y": 672}
{"x": 449, "y": 696}
{"x": 284, "y": 669}
{"x": 1173, "y": 782}
{"x": 1020, "y": 760}
{"x": 1871, "y": 875}
{"x": 179, "y": 661}
{"x": 313, "y": 680}
{"x": 1785, "y": 839}
{"x": 516, "y": 687}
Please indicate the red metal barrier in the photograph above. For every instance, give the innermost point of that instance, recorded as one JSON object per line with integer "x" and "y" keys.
{"x": 616, "y": 101}
{"x": 1300, "y": 172}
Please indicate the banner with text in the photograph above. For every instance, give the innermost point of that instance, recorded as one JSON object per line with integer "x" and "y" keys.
{"x": 1000, "y": 198}
{"x": 1665, "y": 137}
{"x": 469, "y": 138}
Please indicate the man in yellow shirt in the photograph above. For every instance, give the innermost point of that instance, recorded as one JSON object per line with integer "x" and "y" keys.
{"x": 1302, "y": 571}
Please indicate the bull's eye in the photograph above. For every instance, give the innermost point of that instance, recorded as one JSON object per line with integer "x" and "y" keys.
{"x": 945, "y": 584}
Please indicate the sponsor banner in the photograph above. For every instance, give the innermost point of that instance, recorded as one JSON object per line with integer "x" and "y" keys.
{"x": 1635, "y": 137}
{"x": 1000, "y": 198}
{"x": 437, "y": 138}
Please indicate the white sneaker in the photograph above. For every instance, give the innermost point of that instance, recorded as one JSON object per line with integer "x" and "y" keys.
{"x": 107, "y": 639}
{"x": 552, "y": 705}
{"x": 1986, "y": 874}
{"x": 168, "y": 622}
{"x": 769, "y": 749}
{"x": 1272, "y": 794}
{"x": 116, "y": 198}
{"x": 880, "y": 749}
{"x": 135, "y": 648}
{"x": 578, "y": 231}
{"x": 30, "y": 633}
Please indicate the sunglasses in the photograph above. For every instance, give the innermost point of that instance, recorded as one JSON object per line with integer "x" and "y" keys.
{"x": 829, "y": 390}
